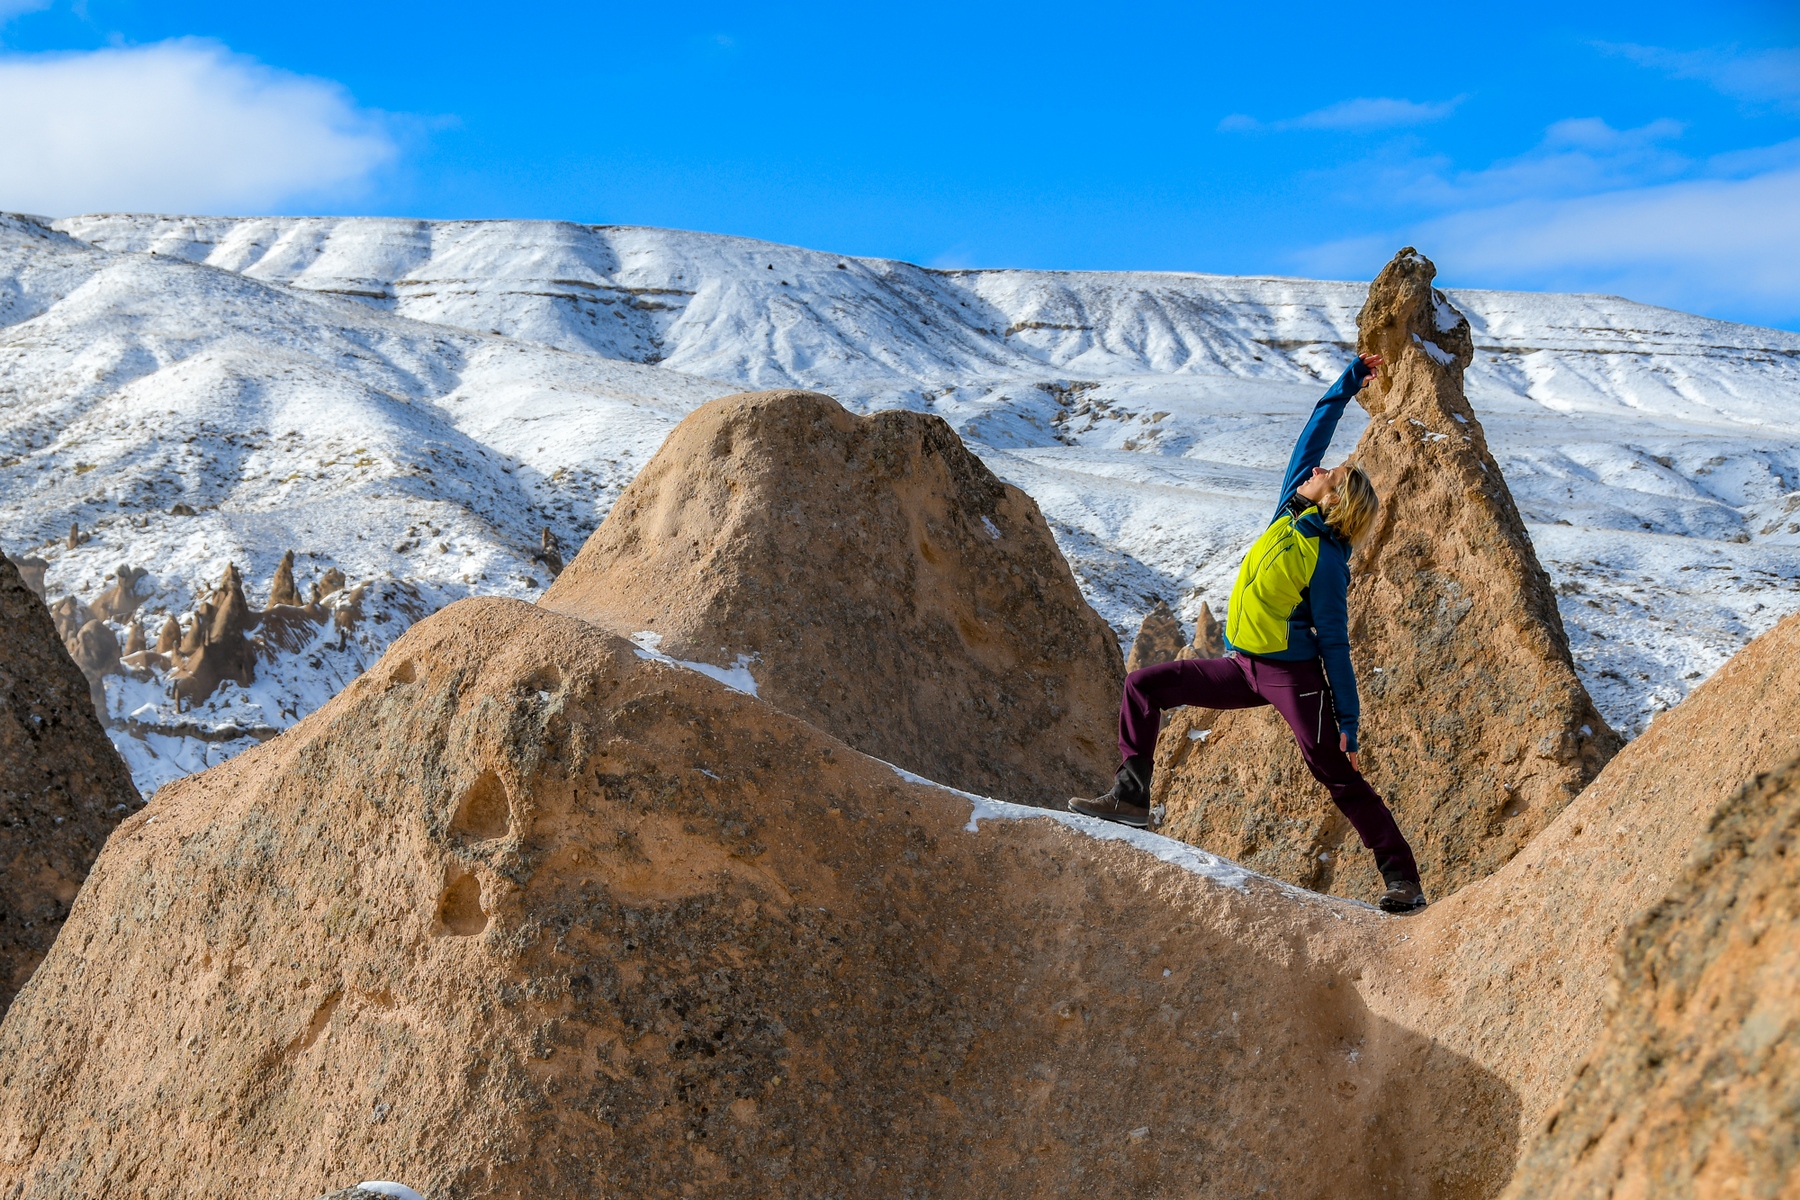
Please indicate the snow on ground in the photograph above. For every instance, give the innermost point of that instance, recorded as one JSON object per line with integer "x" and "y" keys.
{"x": 410, "y": 402}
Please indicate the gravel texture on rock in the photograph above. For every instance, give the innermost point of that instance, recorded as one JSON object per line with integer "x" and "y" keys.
{"x": 1475, "y": 726}
{"x": 873, "y": 578}
{"x": 1512, "y": 971}
{"x": 62, "y": 785}
{"x": 1694, "y": 1089}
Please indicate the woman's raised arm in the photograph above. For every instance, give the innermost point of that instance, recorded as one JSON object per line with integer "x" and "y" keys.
{"x": 1309, "y": 451}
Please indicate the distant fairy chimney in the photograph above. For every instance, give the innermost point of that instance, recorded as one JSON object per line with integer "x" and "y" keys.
{"x": 282, "y": 589}
{"x": 1158, "y": 640}
{"x": 551, "y": 554}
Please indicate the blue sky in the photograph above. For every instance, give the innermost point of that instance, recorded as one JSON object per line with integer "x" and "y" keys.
{"x": 1647, "y": 149}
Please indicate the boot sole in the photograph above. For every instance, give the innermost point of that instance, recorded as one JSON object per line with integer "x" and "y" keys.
{"x": 1133, "y": 822}
{"x": 1401, "y": 910}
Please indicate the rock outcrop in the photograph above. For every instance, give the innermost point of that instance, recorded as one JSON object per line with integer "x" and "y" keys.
{"x": 217, "y": 646}
{"x": 1475, "y": 726}
{"x": 1159, "y": 639}
{"x": 1209, "y": 637}
{"x": 1694, "y": 1089}
{"x": 550, "y": 553}
{"x": 31, "y": 569}
{"x": 1539, "y": 936}
{"x": 122, "y": 599}
{"x": 62, "y": 785}
{"x": 521, "y": 913}
{"x": 876, "y": 579}
{"x": 95, "y": 651}
{"x": 282, "y": 590}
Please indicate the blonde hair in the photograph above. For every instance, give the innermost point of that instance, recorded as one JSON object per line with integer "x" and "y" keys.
{"x": 1356, "y": 506}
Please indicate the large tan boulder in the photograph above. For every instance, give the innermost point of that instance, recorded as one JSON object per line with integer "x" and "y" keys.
{"x": 1694, "y": 1089}
{"x": 876, "y": 580}
{"x": 1475, "y": 726}
{"x": 62, "y": 785}
{"x": 1513, "y": 971}
{"x": 520, "y": 913}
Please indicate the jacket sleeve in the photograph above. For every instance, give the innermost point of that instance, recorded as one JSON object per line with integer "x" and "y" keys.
{"x": 1309, "y": 451}
{"x": 1330, "y": 596}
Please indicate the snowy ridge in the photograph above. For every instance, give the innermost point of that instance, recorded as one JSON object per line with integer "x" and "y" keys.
{"x": 412, "y": 402}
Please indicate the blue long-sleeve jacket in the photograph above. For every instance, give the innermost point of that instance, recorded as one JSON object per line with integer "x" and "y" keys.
{"x": 1291, "y": 600}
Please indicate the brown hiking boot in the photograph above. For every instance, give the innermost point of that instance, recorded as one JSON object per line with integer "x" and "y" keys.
{"x": 1402, "y": 896}
{"x": 1128, "y": 802}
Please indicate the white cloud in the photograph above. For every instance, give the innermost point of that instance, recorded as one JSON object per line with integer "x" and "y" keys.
{"x": 1575, "y": 156}
{"x": 180, "y": 126}
{"x": 1729, "y": 247}
{"x": 1760, "y": 76}
{"x": 1361, "y": 114}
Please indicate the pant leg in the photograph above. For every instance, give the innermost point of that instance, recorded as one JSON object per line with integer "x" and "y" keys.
{"x": 1301, "y": 695}
{"x": 1202, "y": 682}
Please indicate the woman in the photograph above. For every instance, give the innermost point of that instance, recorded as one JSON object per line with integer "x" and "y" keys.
{"x": 1287, "y": 638}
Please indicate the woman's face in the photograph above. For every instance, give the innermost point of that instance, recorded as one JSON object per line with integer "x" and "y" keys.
{"x": 1322, "y": 488}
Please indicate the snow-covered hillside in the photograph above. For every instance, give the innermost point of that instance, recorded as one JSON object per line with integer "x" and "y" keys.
{"x": 412, "y": 401}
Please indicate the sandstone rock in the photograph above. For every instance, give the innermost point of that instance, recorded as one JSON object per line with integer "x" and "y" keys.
{"x": 135, "y": 642}
{"x": 69, "y": 615}
{"x": 550, "y": 554}
{"x": 520, "y": 914}
{"x": 168, "y": 638}
{"x": 332, "y": 581}
{"x": 282, "y": 590}
{"x": 96, "y": 652}
{"x": 1475, "y": 726}
{"x": 291, "y": 628}
{"x": 879, "y": 582}
{"x": 1209, "y": 638}
{"x": 31, "y": 569}
{"x": 1694, "y": 1089}
{"x": 62, "y": 785}
{"x": 122, "y": 599}
{"x": 217, "y": 645}
{"x": 1539, "y": 936}
{"x": 1159, "y": 639}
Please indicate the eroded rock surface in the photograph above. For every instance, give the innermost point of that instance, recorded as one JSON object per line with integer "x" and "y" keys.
{"x": 1475, "y": 726}
{"x": 1694, "y": 1089}
{"x": 876, "y": 579}
{"x": 1512, "y": 971}
{"x": 62, "y": 785}
{"x": 521, "y": 914}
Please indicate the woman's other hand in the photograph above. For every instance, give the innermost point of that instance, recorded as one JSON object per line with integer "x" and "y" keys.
{"x": 1344, "y": 745}
{"x": 1373, "y": 363}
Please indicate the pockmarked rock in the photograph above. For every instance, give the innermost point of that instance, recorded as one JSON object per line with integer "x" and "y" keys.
{"x": 1475, "y": 726}
{"x": 1539, "y": 937}
{"x": 876, "y": 580}
{"x": 521, "y": 913}
{"x": 1694, "y": 1088}
{"x": 62, "y": 785}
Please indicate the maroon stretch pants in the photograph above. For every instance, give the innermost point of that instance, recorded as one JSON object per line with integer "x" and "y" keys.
{"x": 1300, "y": 694}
